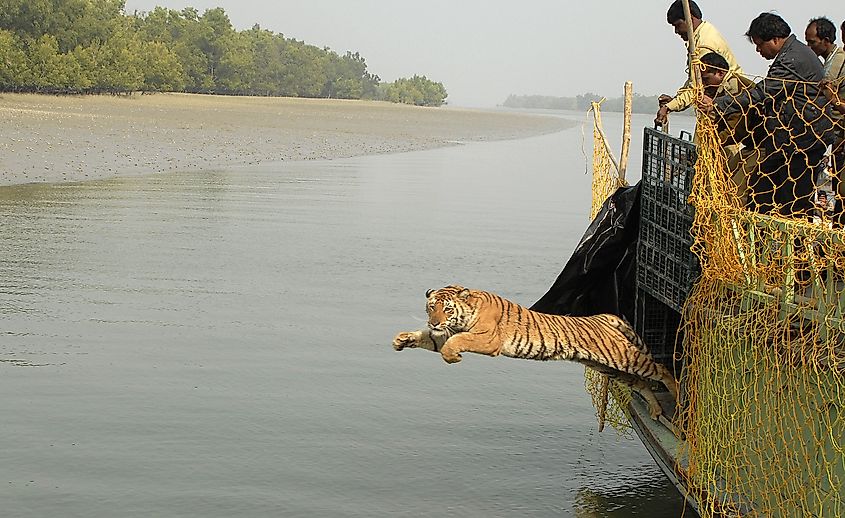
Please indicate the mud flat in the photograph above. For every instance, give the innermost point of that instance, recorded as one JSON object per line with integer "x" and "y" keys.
{"x": 66, "y": 139}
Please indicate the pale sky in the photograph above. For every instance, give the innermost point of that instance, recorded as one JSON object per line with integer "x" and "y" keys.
{"x": 484, "y": 50}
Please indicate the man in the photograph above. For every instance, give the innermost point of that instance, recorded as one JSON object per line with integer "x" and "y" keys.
{"x": 718, "y": 80}
{"x": 797, "y": 122}
{"x": 706, "y": 39}
{"x": 837, "y": 99}
{"x": 738, "y": 134}
{"x": 821, "y": 38}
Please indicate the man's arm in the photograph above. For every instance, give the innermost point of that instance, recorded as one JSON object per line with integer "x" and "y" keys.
{"x": 686, "y": 95}
{"x": 683, "y": 99}
{"x": 771, "y": 86}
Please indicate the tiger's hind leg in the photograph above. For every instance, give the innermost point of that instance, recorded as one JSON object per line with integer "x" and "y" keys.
{"x": 669, "y": 381}
{"x": 643, "y": 388}
{"x": 643, "y": 364}
{"x": 646, "y": 368}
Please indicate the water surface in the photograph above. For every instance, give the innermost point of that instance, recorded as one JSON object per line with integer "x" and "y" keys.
{"x": 218, "y": 344}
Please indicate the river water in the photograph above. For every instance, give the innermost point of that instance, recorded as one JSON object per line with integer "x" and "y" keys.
{"x": 218, "y": 344}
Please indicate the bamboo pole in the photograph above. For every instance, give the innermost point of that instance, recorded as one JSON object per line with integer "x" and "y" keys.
{"x": 694, "y": 74}
{"x": 626, "y": 130}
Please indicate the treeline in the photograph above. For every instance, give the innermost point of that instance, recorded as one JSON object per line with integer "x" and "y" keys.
{"x": 639, "y": 104}
{"x": 92, "y": 46}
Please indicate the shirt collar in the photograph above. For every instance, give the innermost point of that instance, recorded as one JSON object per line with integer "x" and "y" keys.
{"x": 836, "y": 50}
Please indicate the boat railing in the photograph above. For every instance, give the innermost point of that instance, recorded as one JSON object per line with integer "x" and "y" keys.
{"x": 796, "y": 265}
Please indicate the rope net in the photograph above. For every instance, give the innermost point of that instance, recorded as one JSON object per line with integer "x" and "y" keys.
{"x": 763, "y": 350}
{"x": 610, "y": 399}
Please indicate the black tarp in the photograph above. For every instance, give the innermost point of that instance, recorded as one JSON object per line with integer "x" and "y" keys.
{"x": 600, "y": 277}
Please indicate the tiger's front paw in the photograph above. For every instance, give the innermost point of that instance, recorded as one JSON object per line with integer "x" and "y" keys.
{"x": 403, "y": 340}
{"x": 451, "y": 357}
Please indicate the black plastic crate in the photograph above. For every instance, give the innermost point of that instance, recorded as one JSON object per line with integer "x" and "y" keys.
{"x": 659, "y": 327}
{"x": 668, "y": 159}
{"x": 666, "y": 267}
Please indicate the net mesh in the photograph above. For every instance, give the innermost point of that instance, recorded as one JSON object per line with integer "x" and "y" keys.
{"x": 764, "y": 332}
{"x": 609, "y": 398}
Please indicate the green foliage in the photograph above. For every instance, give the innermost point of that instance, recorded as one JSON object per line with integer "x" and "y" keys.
{"x": 92, "y": 46}
{"x": 160, "y": 67}
{"x": 639, "y": 104}
{"x": 14, "y": 63}
{"x": 418, "y": 90}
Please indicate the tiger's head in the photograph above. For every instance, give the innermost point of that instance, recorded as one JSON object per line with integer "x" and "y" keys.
{"x": 449, "y": 310}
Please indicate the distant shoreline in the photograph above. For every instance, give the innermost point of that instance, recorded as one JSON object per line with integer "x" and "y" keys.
{"x": 77, "y": 138}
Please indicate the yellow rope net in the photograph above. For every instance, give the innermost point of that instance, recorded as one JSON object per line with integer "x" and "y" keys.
{"x": 764, "y": 326}
{"x": 609, "y": 398}
{"x": 764, "y": 347}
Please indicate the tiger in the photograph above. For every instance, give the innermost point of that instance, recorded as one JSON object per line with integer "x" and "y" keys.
{"x": 463, "y": 320}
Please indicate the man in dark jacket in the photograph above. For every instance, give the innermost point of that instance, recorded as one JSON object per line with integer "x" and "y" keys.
{"x": 797, "y": 119}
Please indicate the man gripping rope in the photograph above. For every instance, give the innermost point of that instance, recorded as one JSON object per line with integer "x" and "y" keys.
{"x": 706, "y": 38}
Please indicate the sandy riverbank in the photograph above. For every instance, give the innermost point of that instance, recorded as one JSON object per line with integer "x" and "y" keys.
{"x": 64, "y": 139}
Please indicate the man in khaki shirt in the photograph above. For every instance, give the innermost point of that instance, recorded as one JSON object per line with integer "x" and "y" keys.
{"x": 707, "y": 39}
{"x": 821, "y": 38}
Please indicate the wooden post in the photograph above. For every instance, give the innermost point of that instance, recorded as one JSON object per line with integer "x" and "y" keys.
{"x": 597, "y": 126}
{"x": 626, "y": 130}
{"x": 695, "y": 75}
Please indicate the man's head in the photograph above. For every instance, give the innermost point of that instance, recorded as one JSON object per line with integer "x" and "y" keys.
{"x": 821, "y": 36}
{"x": 675, "y": 17}
{"x": 768, "y": 32}
{"x": 715, "y": 69}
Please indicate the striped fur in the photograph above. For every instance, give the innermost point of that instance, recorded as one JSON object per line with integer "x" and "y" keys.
{"x": 462, "y": 320}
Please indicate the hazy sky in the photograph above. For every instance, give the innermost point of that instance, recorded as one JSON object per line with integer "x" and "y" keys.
{"x": 484, "y": 50}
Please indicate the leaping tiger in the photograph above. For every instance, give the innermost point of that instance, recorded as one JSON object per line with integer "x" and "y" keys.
{"x": 463, "y": 320}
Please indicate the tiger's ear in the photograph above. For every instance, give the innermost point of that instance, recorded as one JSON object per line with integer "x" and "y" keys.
{"x": 464, "y": 294}
{"x": 428, "y": 293}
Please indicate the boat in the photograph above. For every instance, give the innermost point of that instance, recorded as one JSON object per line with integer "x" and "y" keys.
{"x": 747, "y": 307}
{"x": 759, "y": 351}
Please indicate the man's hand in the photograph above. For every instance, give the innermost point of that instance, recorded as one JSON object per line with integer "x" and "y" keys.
{"x": 827, "y": 89}
{"x": 832, "y": 95}
{"x": 662, "y": 116}
{"x": 705, "y": 104}
{"x": 663, "y": 99}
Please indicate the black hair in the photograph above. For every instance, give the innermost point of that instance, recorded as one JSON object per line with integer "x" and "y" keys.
{"x": 768, "y": 26}
{"x": 676, "y": 11}
{"x": 825, "y": 29}
{"x": 715, "y": 60}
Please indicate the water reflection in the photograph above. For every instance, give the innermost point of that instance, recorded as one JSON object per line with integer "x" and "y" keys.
{"x": 650, "y": 494}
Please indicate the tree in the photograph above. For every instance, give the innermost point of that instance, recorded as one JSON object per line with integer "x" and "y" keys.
{"x": 160, "y": 68}
{"x": 418, "y": 90}
{"x": 236, "y": 71}
{"x": 14, "y": 71}
{"x": 304, "y": 70}
{"x": 267, "y": 50}
{"x": 49, "y": 70}
{"x": 29, "y": 19}
{"x": 92, "y": 46}
{"x": 77, "y": 23}
{"x": 116, "y": 64}
{"x": 347, "y": 77}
